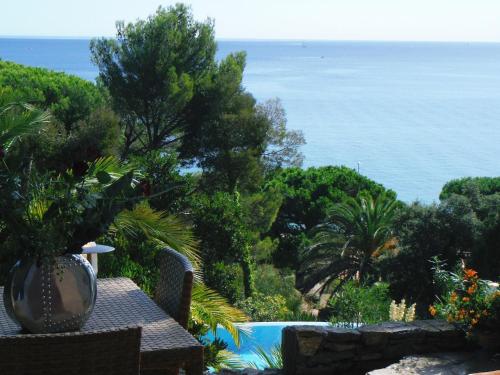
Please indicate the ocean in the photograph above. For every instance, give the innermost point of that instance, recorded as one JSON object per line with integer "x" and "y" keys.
{"x": 410, "y": 115}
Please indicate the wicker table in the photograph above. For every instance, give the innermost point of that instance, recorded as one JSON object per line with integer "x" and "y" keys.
{"x": 121, "y": 303}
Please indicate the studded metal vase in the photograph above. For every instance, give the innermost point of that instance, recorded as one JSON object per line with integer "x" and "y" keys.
{"x": 58, "y": 296}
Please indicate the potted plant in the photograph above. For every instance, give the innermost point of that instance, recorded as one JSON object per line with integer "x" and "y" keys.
{"x": 45, "y": 220}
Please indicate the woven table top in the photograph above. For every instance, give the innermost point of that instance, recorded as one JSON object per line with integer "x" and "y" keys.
{"x": 121, "y": 303}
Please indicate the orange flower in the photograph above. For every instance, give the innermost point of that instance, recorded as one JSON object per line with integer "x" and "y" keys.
{"x": 470, "y": 273}
{"x": 432, "y": 310}
{"x": 474, "y": 322}
{"x": 466, "y": 299}
{"x": 453, "y": 297}
{"x": 449, "y": 318}
{"x": 472, "y": 289}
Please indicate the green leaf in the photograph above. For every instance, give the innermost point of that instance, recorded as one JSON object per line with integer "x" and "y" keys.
{"x": 103, "y": 177}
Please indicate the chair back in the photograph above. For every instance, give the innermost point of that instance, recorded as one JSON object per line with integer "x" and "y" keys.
{"x": 175, "y": 286}
{"x": 107, "y": 352}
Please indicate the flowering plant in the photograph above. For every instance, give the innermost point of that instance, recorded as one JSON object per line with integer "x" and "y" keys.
{"x": 399, "y": 312}
{"x": 467, "y": 300}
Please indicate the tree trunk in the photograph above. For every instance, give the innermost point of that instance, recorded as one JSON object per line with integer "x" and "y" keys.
{"x": 248, "y": 281}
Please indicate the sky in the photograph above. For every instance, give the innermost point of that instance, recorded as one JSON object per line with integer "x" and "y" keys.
{"x": 426, "y": 20}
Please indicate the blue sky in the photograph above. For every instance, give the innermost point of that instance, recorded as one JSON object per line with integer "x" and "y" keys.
{"x": 450, "y": 20}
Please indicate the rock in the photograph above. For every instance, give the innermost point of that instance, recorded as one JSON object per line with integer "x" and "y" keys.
{"x": 437, "y": 327}
{"x": 369, "y": 356}
{"x": 329, "y": 357}
{"x": 340, "y": 347}
{"x": 338, "y": 334}
{"x": 378, "y": 334}
{"x": 309, "y": 338}
{"x": 456, "y": 363}
{"x": 309, "y": 345}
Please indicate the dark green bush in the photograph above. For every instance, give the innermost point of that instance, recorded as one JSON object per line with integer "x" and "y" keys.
{"x": 262, "y": 308}
{"x": 354, "y": 305}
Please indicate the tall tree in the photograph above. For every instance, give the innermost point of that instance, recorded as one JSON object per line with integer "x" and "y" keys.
{"x": 153, "y": 69}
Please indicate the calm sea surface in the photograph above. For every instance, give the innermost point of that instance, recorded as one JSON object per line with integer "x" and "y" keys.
{"x": 413, "y": 115}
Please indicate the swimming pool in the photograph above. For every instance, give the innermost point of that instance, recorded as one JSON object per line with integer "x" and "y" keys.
{"x": 261, "y": 334}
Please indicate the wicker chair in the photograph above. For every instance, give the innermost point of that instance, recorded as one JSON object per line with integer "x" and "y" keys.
{"x": 175, "y": 286}
{"x": 173, "y": 294}
{"x": 108, "y": 352}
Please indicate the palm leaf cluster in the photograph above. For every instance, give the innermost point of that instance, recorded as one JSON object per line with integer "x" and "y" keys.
{"x": 358, "y": 231}
{"x": 273, "y": 360}
{"x": 17, "y": 119}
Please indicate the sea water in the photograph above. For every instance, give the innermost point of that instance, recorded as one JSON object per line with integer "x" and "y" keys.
{"x": 411, "y": 116}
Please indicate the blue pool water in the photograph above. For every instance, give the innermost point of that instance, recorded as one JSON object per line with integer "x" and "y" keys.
{"x": 414, "y": 115}
{"x": 261, "y": 334}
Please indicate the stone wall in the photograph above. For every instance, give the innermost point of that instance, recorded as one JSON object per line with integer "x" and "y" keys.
{"x": 318, "y": 350}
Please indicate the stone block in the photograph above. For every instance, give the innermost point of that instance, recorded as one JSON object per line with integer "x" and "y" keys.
{"x": 379, "y": 334}
{"x": 309, "y": 345}
{"x": 437, "y": 328}
{"x": 338, "y": 334}
{"x": 369, "y": 356}
{"x": 339, "y": 347}
{"x": 330, "y": 357}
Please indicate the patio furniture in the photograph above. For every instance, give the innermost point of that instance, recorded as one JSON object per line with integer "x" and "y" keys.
{"x": 107, "y": 352}
{"x": 174, "y": 288}
{"x": 120, "y": 303}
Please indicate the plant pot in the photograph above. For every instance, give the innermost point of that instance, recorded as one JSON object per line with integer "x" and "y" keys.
{"x": 49, "y": 297}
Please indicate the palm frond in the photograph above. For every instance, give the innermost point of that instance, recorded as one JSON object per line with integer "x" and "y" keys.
{"x": 229, "y": 360}
{"x": 18, "y": 119}
{"x": 273, "y": 360}
{"x": 160, "y": 227}
{"x": 212, "y": 309}
{"x": 109, "y": 166}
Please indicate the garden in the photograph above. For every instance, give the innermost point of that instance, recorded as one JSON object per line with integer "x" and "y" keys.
{"x": 168, "y": 149}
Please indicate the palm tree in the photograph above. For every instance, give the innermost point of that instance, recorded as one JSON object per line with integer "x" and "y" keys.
{"x": 358, "y": 231}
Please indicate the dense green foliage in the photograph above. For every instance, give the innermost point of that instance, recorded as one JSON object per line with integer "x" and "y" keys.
{"x": 355, "y": 305}
{"x": 471, "y": 185}
{"x": 82, "y": 129}
{"x": 308, "y": 197}
{"x": 265, "y": 308}
{"x": 69, "y": 98}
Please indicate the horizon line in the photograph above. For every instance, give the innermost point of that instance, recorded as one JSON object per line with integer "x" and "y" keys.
{"x": 226, "y": 39}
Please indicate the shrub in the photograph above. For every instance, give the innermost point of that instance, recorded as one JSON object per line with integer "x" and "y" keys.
{"x": 262, "y": 308}
{"x": 227, "y": 279}
{"x": 355, "y": 305}
{"x": 271, "y": 281}
{"x": 465, "y": 299}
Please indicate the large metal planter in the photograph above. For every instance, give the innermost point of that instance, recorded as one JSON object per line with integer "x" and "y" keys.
{"x": 52, "y": 296}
